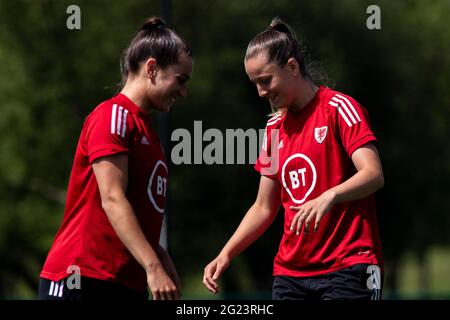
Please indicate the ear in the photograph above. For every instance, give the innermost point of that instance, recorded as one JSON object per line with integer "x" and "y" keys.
{"x": 150, "y": 68}
{"x": 293, "y": 67}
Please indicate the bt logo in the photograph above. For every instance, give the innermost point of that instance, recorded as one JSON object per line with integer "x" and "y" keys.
{"x": 299, "y": 177}
{"x": 157, "y": 186}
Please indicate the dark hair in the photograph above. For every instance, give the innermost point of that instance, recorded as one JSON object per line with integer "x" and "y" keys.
{"x": 155, "y": 40}
{"x": 281, "y": 44}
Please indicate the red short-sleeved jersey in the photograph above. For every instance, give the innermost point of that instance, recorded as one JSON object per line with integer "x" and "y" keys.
{"x": 310, "y": 154}
{"x": 86, "y": 238}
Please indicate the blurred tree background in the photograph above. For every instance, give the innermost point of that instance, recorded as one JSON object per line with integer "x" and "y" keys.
{"x": 51, "y": 77}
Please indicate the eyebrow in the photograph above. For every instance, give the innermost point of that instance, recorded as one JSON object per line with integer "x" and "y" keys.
{"x": 259, "y": 78}
{"x": 184, "y": 75}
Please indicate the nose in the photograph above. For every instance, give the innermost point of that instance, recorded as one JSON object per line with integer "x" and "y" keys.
{"x": 261, "y": 91}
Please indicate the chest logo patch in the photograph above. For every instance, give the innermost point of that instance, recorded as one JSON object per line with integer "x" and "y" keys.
{"x": 320, "y": 133}
{"x": 299, "y": 177}
{"x": 157, "y": 186}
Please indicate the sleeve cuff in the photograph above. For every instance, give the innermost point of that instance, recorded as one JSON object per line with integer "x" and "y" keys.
{"x": 104, "y": 151}
{"x": 360, "y": 142}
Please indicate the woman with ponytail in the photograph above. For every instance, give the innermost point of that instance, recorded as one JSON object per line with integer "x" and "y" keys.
{"x": 108, "y": 244}
{"x": 319, "y": 161}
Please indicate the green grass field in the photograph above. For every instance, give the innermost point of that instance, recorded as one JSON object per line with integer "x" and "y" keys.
{"x": 439, "y": 266}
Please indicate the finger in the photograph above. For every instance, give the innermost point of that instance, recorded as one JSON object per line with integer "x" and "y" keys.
{"x": 172, "y": 294}
{"x": 155, "y": 295}
{"x": 300, "y": 223}
{"x": 208, "y": 278}
{"x": 316, "y": 224}
{"x": 308, "y": 221}
{"x": 301, "y": 220}
{"x": 162, "y": 295}
{"x": 217, "y": 273}
{"x": 168, "y": 294}
{"x": 210, "y": 270}
{"x": 295, "y": 220}
{"x": 295, "y": 208}
{"x": 209, "y": 284}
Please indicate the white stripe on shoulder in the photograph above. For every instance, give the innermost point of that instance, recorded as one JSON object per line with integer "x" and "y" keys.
{"x": 346, "y": 109}
{"x": 269, "y": 123}
{"x": 341, "y": 112}
{"x": 350, "y": 105}
{"x": 119, "y": 120}
{"x": 124, "y": 126}
{"x": 113, "y": 119}
{"x": 275, "y": 118}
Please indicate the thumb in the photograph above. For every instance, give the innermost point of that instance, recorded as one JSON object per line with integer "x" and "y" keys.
{"x": 217, "y": 273}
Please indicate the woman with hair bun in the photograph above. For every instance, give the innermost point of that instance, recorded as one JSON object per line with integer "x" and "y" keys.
{"x": 319, "y": 161}
{"x": 108, "y": 244}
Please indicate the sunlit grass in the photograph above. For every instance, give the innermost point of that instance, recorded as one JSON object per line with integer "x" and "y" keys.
{"x": 439, "y": 278}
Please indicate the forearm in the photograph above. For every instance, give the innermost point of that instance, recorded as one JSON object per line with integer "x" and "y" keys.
{"x": 362, "y": 184}
{"x": 167, "y": 263}
{"x": 125, "y": 224}
{"x": 255, "y": 222}
{"x": 165, "y": 258}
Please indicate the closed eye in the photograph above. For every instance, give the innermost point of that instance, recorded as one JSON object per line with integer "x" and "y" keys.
{"x": 265, "y": 81}
{"x": 182, "y": 79}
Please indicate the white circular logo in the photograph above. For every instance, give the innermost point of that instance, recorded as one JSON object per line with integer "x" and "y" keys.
{"x": 301, "y": 177}
{"x": 157, "y": 185}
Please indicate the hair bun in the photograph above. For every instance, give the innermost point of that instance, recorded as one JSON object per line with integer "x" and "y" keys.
{"x": 153, "y": 23}
{"x": 280, "y": 26}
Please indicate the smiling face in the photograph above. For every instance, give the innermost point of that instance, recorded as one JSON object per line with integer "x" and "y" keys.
{"x": 274, "y": 82}
{"x": 169, "y": 84}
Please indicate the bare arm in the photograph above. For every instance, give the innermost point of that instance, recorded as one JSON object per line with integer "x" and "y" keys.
{"x": 368, "y": 179}
{"x": 257, "y": 219}
{"x": 112, "y": 178}
{"x": 168, "y": 265}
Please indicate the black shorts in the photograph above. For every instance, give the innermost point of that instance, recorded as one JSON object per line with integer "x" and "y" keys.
{"x": 358, "y": 282}
{"x": 89, "y": 289}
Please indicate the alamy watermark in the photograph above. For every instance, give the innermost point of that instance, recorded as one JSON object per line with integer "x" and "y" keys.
{"x": 374, "y": 20}
{"x": 74, "y": 280}
{"x": 231, "y": 146}
{"x": 73, "y": 21}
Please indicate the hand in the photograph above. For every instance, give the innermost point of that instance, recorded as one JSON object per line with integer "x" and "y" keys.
{"x": 161, "y": 285}
{"x": 213, "y": 271}
{"x": 312, "y": 210}
{"x": 168, "y": 266}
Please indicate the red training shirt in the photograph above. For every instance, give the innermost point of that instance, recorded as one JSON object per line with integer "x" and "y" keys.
{"x": 86, "y": 238}
{"x": 311, "y": 154}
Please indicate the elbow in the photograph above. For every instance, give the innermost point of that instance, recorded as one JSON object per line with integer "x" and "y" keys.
{"x": 109, "y": 201}
{"x": 379, "y": 181}
{"x": 107, "y": 204}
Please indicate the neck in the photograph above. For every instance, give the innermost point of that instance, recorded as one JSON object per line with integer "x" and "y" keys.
{"x": 307, "y": 90}
{"x": 135, "y": 91}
